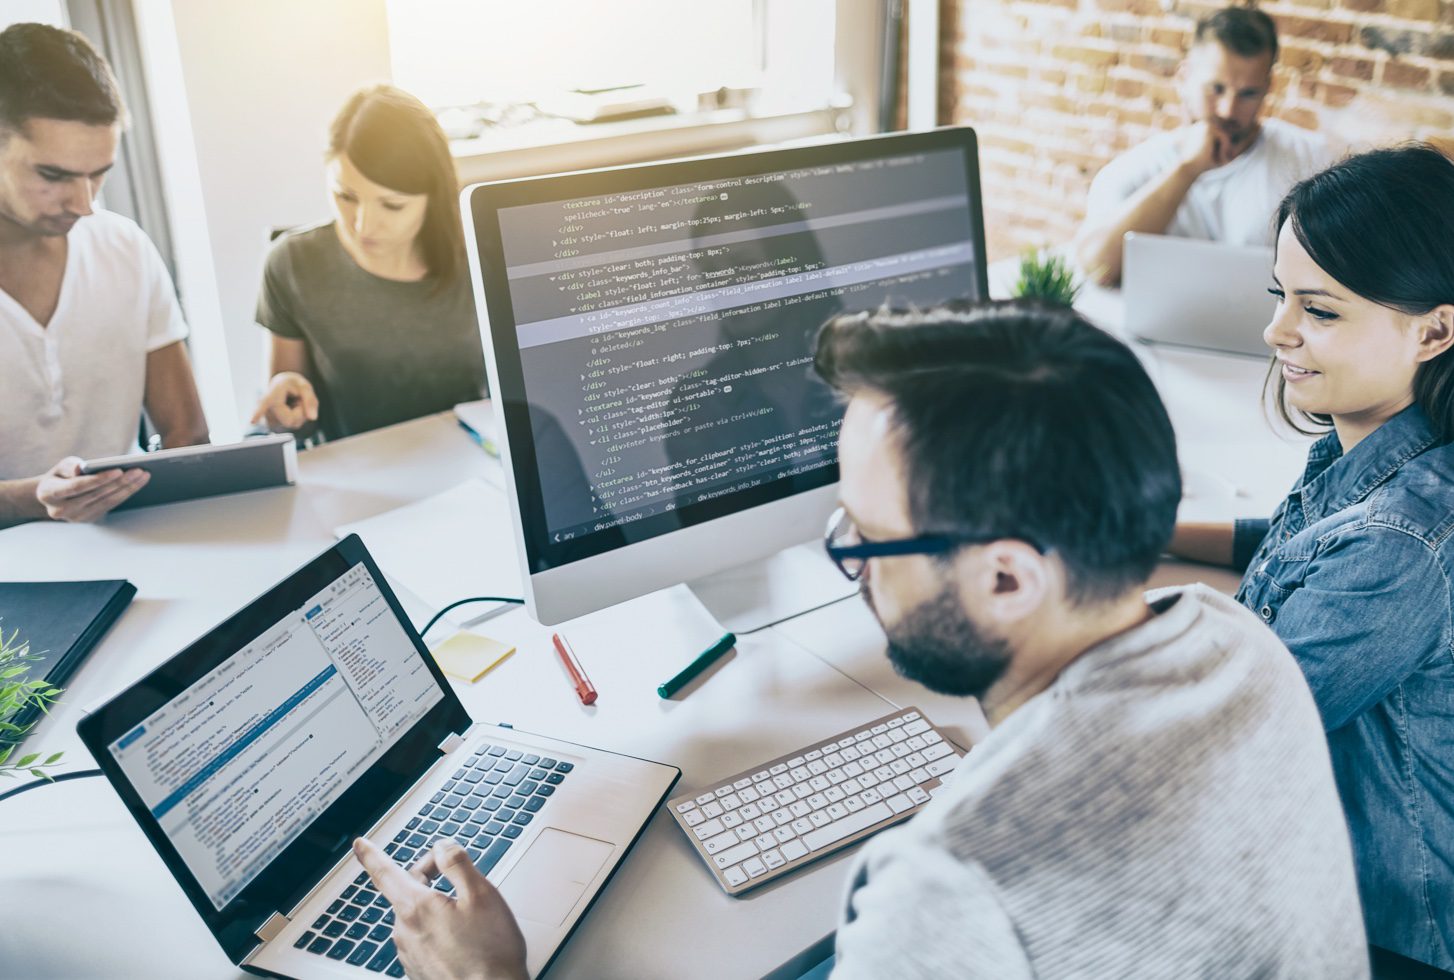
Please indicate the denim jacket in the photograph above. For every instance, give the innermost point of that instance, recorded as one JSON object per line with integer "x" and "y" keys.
{"x": 1353, "y": 572}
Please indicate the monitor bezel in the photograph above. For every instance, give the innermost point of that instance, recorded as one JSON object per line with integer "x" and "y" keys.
{"x": 295, "y": 871}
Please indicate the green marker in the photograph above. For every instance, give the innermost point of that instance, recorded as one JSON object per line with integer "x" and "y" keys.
{"x": 691, "y": 670}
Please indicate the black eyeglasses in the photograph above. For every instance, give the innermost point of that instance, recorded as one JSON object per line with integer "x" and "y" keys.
{"x": 851, "y": 553}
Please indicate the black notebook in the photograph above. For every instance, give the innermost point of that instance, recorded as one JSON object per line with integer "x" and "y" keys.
{"x": 62, "y": 621}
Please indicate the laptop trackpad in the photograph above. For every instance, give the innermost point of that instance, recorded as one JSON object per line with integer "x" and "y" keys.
{"x": 553, "y": 874}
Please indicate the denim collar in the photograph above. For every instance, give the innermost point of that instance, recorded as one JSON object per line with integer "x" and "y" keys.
{"x": 1332, "y": 481}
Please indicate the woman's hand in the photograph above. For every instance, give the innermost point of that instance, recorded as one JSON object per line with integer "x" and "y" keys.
{"x": 289, "y": 403}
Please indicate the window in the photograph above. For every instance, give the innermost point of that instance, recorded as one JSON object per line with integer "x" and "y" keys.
{"x": 490, "y": 63}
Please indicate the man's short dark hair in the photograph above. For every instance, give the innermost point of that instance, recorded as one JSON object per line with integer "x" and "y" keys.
{"x": 1244, "y": 31}
{"x": 1022, "y": 420}
{"x": 49, "y": 73}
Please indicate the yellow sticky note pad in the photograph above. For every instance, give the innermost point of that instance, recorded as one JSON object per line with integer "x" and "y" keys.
{"x": 469, "y": 655}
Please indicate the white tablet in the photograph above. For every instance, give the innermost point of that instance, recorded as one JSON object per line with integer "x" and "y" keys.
{"x": 207, "y": 470}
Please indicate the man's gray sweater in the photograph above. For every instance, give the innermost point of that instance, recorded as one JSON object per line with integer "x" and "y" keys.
{"x": 1166, "y": 808}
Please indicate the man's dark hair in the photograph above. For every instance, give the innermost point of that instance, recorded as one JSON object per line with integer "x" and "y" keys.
{"x": 49, "y": 73}
{"x": 1022, "y": 420}
{"x": 1244, "y": 31}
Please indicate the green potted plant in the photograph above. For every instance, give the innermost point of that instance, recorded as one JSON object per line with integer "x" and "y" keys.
{"x": 18, "y": 693}
{"x": 1046, "y": 276}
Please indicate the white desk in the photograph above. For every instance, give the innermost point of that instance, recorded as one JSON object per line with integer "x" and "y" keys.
{"x": 85, "y": 870}
{"x": 194, "y": 564}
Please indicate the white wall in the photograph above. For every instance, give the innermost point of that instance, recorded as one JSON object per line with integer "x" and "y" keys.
{"x": 243, "y": 93}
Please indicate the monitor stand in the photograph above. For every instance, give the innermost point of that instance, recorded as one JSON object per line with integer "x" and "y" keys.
{"x": 759, "y": 594}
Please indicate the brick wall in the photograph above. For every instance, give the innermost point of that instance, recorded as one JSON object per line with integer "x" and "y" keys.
{"x": 1056, "y": 88}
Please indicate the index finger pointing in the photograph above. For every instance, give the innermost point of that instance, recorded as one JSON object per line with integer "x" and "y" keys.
{"x": 388, "y": 877}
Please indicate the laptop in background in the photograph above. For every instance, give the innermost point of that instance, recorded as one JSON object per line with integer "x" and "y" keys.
{"x": 1193, "y": 293}
{"x": 315, "y": 715}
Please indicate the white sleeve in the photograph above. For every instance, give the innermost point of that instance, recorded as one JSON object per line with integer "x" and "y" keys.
{"x": 1124, "y": 176}
{"x": 164, "y": 322}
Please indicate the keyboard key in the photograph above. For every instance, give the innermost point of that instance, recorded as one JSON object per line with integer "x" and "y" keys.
{"x": 320, "y": 945}
{"x": 918, "y": 795}
{"x": 428, "y": 827}
{"x": 340, "y": 949}
{"x": 371, "y": 914}
{"x": 940, "y": 767}
{"x": 709, "y": 829}
{"x": 495, "y": 750}
{"x": 335, "y": 929}
{"x": 773, "y": 859}
{"x": 356, "y": 931}
{"x": 384, "y": 957}
{"x": 305, "y": 939}
{"x": 530, "y": 760}
{"x": 379, "y": 933}
{"x": 335, "y": 907}
{"x": 513, "y": 831}
{"x": 514, "y": 755}
{"x": 396, "y": 970}
{"x": 754, "y": 867}
{"x": 534, "y": 804}
{"x": 794, "y": 849}
{"x": 852, "y": 824}
{"x": 523, "y": 818}
{"x": 449, "y": 829}
{"x": 735, "y": 876}
{"x": 348, "y": 913}
{"x": 515, "y": 802}
{"x": 491, "y": 856}
{"x": 900, "y": 803}
{"x": 382, "y": 902}
{"x": 320, "y": 922}
{"x": 545, "y": 790}
{"x": 735, "y": 854}
{"x": 563, "y": 767}
{"x": 494, "y": 827}
{"x": 363, "y": 953}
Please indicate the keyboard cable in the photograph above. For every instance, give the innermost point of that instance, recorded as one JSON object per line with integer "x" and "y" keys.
{"x": 461, "y": 602}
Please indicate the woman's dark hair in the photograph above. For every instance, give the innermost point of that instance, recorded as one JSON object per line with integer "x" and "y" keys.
{"x": 1379, "y": 224}
{"x": 1022, "y": 420}
{"x": 394, "y": 140}
{"x": 49, "y": 73}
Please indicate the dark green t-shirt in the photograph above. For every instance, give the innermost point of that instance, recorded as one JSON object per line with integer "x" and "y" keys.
{"x": 381, "y": 351}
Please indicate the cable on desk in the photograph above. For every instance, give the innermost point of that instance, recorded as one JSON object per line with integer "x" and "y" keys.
{"x": 59, "y": 778}
{"x": 461, "y": 602}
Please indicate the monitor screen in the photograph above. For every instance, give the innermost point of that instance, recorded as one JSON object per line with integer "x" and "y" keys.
{"x": 653, "y": 327}
{"x": 236, "y": 766}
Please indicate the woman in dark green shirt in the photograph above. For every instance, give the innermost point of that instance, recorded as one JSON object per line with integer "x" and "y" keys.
{"x": 371, "y": 315}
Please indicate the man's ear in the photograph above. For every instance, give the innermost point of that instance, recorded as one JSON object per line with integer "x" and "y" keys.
{"x": 1007, "y": 581}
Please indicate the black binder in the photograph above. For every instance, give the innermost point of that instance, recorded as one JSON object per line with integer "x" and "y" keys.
{"x": 63, "y": 622}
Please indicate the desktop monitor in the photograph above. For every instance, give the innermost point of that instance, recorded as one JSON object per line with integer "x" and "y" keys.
{"x": 649, "y": 334}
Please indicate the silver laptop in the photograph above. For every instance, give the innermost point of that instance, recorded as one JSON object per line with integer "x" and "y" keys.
{"x": 1194, "y": 293}
{"x": 315, "y": 715}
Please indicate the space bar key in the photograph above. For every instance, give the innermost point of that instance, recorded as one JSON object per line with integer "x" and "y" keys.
{"x": 851, "y": 824}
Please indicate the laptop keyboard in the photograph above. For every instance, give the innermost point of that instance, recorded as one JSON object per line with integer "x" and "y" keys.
{"x": 485, "y": 805}
{"x": 770, "y": 820}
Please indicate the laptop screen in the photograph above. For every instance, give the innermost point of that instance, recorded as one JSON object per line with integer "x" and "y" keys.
{"x": 238, "y": 764}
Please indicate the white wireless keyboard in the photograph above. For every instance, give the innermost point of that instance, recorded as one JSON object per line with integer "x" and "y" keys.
{"x": 775, "y": 818}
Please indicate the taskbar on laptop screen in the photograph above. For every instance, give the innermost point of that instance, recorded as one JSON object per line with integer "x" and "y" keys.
{"x": 665, "y": 333}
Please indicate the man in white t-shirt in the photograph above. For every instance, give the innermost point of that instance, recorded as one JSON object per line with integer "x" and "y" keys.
{"x": 90, "y": 329}
{"x": 1219, "y": 178}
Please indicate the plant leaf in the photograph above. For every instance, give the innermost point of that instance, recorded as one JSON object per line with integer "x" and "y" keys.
{"x": 52, "y": 760}
{"x": 26, "y": 760}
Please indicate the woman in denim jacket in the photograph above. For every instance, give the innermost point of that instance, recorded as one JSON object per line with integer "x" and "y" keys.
{"x": 1354, "y": 569}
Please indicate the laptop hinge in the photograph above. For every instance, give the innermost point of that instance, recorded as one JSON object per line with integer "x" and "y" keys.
{"x": 451, "y": 742}
{"x": 271, "y": 929}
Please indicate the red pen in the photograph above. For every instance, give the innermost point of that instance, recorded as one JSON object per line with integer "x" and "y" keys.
{"x": 584, "y": 690}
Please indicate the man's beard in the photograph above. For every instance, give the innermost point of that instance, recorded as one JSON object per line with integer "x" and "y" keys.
{"x": 937, "y": 645}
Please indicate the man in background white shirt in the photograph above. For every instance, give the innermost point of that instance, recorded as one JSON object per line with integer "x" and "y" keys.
{"x": 90, "y": 328}
{"x": 1218, "y": 178}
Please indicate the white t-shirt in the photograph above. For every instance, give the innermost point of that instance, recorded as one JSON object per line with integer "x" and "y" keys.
{"x": 1233, "y": 204}
{"x": 75, "y": 386}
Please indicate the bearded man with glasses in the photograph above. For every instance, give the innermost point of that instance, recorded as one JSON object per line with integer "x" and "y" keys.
{"x": 1155, "y": 797}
